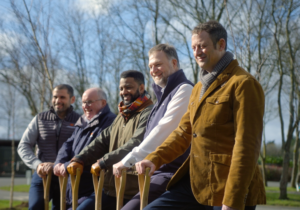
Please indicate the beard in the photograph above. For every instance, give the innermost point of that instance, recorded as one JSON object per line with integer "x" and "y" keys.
{"x": 133, "y": 97}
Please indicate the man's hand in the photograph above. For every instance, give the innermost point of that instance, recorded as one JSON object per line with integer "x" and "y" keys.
{"x": 44, "y": 168}
{"x": 72, "y": 168}
{"x": 95, "y": 169}
{"x": 59, "y": 170}
{"x": 117, "y": 169}
{"x": 141, "y": 167}
{"x": 224, "y": 207}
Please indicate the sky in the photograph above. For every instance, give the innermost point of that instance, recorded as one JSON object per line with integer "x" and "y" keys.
{"x": 92, "y": 7}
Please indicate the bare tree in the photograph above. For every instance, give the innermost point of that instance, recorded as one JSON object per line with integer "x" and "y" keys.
{"x": 284, "y": 23}
{"x": 28, "y": 61}
{"x": 8, "y": 106}
{"x": 296, "y": 153}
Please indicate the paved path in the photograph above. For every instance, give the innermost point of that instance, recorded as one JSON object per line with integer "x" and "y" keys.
{"x": 276, "y": 208}
{"x": 5, "y": 195}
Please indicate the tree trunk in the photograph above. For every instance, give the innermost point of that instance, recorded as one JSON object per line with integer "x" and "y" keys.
{"x": 298, "y": 175}
{"x": 12, "y": 174}
{"x": 284, "y": 175}
{"x": 263, "y": 159}
{"x": 295, "y": 160}
{"x": 263, "y": 171}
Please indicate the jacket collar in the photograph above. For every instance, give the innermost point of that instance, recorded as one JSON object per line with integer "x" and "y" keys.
{"x": 68, "y": 111}
{"x": 173, "y": 81}
{"x": 221, "y": 79}
{"x": 82, "y": 122}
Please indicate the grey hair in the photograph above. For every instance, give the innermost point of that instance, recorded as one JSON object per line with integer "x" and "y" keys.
{"x": 101, "y": 94}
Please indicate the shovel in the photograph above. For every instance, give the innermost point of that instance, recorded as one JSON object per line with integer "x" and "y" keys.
{"x": 46, "y": 184}
{"x": 120, "y": 188}
{"x": 98, "y": 185}
{"x": 75, "y": 179}
{"x": 63, "y": 180}
{"x": 144, "y": 185}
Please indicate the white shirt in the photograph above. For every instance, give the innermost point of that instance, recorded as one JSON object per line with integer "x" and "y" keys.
{"x": 175, "y": 110}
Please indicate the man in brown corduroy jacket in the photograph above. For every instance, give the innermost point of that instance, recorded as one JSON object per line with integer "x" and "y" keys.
{"x": 223, "y": 125}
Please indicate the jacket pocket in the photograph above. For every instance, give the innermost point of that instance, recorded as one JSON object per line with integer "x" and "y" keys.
{"x": 217, "y": 109}
{"x": 220, "y": 165}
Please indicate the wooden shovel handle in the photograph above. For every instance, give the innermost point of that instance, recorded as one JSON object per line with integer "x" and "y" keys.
{"x": 46, "y": 184}
{"x": 75, "y": 179}
{"x": 63, "y": 180}
{"x": 144, "y": 185}
{"x": 120, "y": 188}
{"x": 98, "y": 185}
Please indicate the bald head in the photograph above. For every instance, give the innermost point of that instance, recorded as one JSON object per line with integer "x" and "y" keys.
{"x": 93, "y": 101}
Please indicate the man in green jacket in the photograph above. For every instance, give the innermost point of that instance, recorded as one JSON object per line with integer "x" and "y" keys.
{"x": 116, "y": 141}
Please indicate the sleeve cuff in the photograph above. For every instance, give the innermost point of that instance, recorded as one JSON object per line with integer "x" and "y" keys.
{"x": 77, "y": 160}
{"x": 129, "y": 162}
{"x": 102, "y": 164}
{"x": 35, "y": 164}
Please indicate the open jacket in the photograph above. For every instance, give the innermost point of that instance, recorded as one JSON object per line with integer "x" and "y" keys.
{"x": 85, "y": 132}
{"x": 114, "y": 143}
{"x": 224, "y": 129}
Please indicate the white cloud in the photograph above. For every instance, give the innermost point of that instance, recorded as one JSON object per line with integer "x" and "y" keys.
{"x": 93, "y": 8}
{"x": 8, "y": 40}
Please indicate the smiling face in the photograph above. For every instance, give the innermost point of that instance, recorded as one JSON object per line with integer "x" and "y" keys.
{"x": 130, "y": 90}
{"x": 161, "y": 67}
{"x": 92, "y": 103}
{"x": 61, "y": 101}
{"x": 205, "y": 53}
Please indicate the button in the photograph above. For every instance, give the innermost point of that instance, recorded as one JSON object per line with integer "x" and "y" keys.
{"x": 194, "y": 135}
{"x": 217, "y": 102}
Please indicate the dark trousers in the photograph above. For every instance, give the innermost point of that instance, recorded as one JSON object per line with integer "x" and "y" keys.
{"x": 108, "y": 202}
{"x": 36, "y": 193}
{"x": 180, "y": 197}
{"x": 158, "y": 186}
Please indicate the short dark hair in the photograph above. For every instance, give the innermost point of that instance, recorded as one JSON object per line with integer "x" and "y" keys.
{"x": 169, "y": 50}
{"x": 136, "y": 75}
{"x": 67, "y": 87}
{"x": 215, "y": 30}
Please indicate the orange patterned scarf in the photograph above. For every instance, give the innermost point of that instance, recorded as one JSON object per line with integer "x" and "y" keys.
{"x": 127, "y": 110}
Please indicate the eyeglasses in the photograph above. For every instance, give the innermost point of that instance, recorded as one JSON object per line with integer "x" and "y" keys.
{"x": 89, "y": 103}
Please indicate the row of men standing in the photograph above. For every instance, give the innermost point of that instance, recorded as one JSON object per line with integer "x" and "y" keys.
{"x": 169, "y": 130}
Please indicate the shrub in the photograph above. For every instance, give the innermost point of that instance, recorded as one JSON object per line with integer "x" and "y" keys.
{"x": 273, "y": 172}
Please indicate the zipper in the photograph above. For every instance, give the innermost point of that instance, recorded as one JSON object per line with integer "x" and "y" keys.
{"x": 57, "y": 134}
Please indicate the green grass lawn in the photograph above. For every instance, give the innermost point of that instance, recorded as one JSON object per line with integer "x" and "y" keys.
{"x": 272, "y": 196}
{"x": 289, "y": 189}
{"x": 272, "y": 199}
{"x": 17, "y": 188}
{"x": 18, "y": 205}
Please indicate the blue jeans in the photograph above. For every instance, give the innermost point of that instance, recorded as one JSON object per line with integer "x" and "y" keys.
{"x": 36, "y": 193}
{"x": 180, "y": 197}
{"x": 108, "y": 202}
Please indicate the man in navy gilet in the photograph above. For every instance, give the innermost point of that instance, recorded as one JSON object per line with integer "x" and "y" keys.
{"x": 49, "y": 130}
{"x": 172, "y": 90}
{"x": 97, "y": 116}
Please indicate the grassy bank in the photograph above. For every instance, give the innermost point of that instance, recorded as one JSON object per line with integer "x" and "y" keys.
{"x": 272, "y": 197}
{"x": 17, "y": 205}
